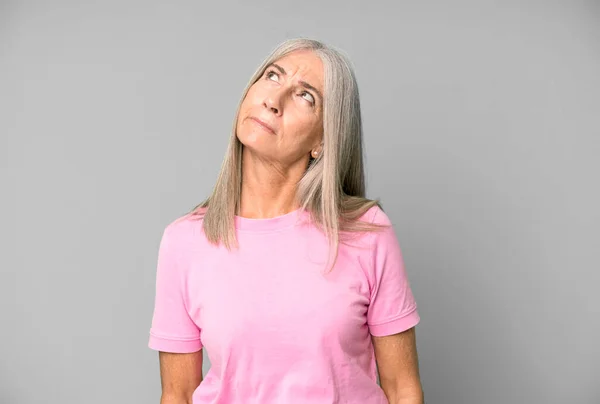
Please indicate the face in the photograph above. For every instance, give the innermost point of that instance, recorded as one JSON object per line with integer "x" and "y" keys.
{"x": 281, "y": 117}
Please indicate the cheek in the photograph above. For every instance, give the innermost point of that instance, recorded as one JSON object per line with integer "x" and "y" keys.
{"x": 246, "y": 102}
{"x": 304, "y": 127}
{"x": 255, "y": 95}
{"x": 249, "y": 99}
{"x": 246, "y": 106}
{"x": 301, "y": 123}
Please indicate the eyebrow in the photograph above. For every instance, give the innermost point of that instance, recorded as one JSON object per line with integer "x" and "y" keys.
{"x": 302, "y": 83}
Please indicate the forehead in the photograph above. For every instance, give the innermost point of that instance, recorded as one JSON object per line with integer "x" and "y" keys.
{"x": 303, "y": 65}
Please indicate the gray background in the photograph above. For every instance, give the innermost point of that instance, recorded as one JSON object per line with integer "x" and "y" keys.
{"x": 481, "y": 124}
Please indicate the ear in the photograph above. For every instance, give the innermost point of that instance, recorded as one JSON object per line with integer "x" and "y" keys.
{"x": 316, "y": 151}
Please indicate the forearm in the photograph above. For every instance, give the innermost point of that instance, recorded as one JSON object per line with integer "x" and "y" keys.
{"x": 180, "y": 376}
{"x": 412, "y": 397}
{"x": 175, "y": 399}
{"x": 409, "y": 400}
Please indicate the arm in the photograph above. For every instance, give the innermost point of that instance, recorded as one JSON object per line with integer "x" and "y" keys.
{"x": 180, "y": 374}
{"x": 397, "y": 363}
{"x": 174, "y": 333}
{"x": 392, "y": 317}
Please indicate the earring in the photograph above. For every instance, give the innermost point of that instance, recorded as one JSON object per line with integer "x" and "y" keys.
{"x": 315, "y": 154}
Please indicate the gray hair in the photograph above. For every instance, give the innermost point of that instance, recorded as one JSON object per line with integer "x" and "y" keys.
{"x": 333, "y": 186}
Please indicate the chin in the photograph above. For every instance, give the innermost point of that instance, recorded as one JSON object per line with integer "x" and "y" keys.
{"x": 252, "y": 140}
{"x": 249, "y": 136}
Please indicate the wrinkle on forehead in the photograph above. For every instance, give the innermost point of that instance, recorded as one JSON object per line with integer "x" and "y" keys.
{"x": 306, "y": 64}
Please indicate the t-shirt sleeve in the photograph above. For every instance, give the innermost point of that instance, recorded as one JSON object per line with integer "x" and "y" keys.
{"x": 392, "y": 308}
{"x": 172, "y": 330}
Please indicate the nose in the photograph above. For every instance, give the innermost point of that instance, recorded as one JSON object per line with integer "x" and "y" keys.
{"x": 272, "y": 102}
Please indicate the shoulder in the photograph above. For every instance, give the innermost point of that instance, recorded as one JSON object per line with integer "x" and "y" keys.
{"x": 376, "y": 215}
{"x": 384, "y": 234}
{"x": 372, "y": 227}
{"x": 183, "y": 229}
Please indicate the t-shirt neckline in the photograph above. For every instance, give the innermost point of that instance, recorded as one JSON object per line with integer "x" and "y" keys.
{"x": 268, "y": 224}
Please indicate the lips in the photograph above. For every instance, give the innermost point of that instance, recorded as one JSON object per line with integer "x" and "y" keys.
{"x": 265, "y": 125}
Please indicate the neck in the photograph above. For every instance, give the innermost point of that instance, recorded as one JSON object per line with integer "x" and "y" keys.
{"x": 268, "y": 188}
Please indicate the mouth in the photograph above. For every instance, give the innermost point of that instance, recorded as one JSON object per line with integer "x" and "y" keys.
{"x": 263, "y": 124}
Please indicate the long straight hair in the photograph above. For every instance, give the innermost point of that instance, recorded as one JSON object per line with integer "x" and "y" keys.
{"x": 332, "y": 189}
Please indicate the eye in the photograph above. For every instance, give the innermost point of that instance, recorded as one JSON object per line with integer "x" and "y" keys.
{"x": 308, "y": 97}
{"x": 270, "y": 74}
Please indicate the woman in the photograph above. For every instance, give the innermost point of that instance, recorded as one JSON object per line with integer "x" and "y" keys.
{"x": 292, "y": 279}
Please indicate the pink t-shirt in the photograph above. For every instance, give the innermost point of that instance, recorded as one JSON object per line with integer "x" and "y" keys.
{"x": 276, "y": 326}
